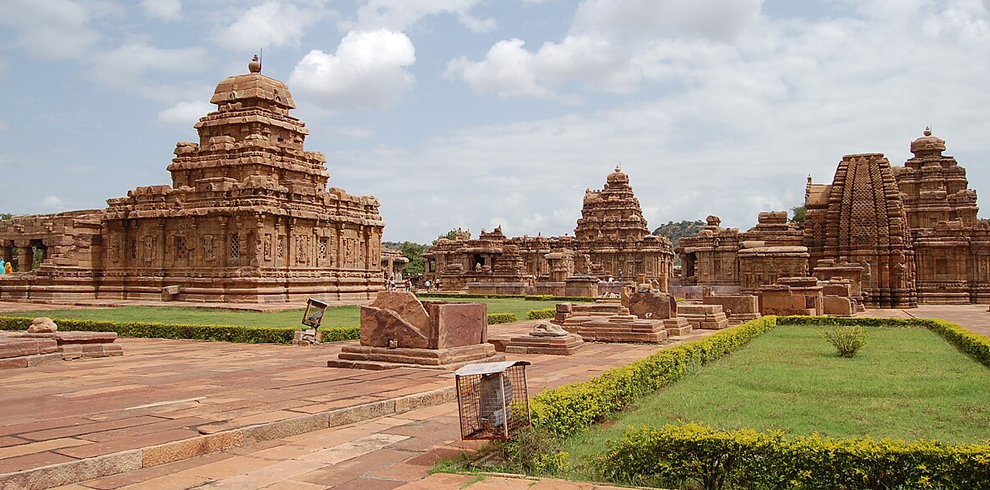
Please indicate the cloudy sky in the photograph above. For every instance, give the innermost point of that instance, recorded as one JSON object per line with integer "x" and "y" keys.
{"x": 478, "y": 113}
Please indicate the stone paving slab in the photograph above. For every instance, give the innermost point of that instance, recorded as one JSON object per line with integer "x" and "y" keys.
{"x": 169, "y": 400}
{"x": 370, "y": 450}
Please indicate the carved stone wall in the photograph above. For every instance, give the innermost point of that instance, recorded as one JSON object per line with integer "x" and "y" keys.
{"x": 248, "y": 217}
{"x": 611, "y": 240}
{"x": 864, "y": 222}
{"x": 725, "y": 257}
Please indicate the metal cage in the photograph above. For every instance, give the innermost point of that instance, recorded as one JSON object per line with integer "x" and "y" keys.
{"x": 492, "y": 399}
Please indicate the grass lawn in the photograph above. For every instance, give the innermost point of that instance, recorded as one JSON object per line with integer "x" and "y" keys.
{"x": 340, "y": 316}
{"x": 905, "y": 384}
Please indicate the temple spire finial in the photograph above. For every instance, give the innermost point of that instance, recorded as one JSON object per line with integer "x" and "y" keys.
{"x": 254, "y": 66}
{"x": 928, "y": 130}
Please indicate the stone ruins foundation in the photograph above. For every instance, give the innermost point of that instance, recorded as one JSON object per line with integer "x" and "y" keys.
{"x": 397, "y": 330}
{"x": 248, "y": 218}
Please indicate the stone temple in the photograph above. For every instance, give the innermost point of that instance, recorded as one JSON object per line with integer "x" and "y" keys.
{"x": 248, "y": 218}
{"x": 611, "y": 240}
{"x": 900, "y": 235}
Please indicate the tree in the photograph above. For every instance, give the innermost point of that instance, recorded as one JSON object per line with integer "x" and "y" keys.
{"x": 797, "y": 214}
{"x": 413, "y": 252}
{"x": 450, "y": 235}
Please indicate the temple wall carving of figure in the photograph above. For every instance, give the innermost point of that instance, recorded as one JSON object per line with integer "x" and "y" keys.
{"x": 611, "y": 240}
{"x": 248, "y": 218}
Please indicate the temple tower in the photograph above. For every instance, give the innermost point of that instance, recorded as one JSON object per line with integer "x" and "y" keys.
{"x": 248, "y": 217}
{"x": 863, "y": 222}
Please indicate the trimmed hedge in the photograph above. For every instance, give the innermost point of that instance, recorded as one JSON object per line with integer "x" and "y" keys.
{"x": 541, "y": 314}
{"x": 750, "y": 459}
{"x": 495, "y": 318}
{"x": 572, "y": 408}
{"x": 221, "y": 333}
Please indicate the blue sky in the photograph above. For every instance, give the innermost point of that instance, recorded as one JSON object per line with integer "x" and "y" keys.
{"x": 475, "y": 114}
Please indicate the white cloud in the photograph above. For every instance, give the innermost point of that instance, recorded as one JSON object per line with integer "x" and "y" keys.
{"x": 128, "y": 67}
{"x": 53, "y": 30}
{"x": 185, "y": 114}
{"x": 510, "y": 70}
{"x": 52, "y": 202}
{"x": 274, "y": 23}
{"x": 367, "y": 70}
{"x": 399, "y": 15}
{"x": 734, "y": 130}
{"x": 128, "y": 63}
{"x": 163, "y": 9}
{"x": 604, "y": 50}
{"x": 715, "y": 19}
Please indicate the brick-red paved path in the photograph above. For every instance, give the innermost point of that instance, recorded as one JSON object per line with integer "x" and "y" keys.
{"x": 167, "y": 390}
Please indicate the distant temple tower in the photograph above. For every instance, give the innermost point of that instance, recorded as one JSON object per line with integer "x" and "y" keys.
{"x": 611, "y": 240}
{"x": 952, "y": 248}
{"x": 248, "y": 218}
{"x": 860, "y": 219}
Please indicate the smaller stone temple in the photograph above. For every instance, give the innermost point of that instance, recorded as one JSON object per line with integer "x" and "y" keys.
{"x": 248, "y": 217}
{"x": 611, "y": 241}
{"x": 741, "y": 262}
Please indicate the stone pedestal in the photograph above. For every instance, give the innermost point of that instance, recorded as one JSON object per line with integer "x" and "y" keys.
{"x": 397, "y": 330}
{"x": 586, "y": 286}
{"x": 676, "y": 327}
{"x": 738, "y": 309}
{"x": 619, "y": 328}
{"x": 709, "y": 317}
{"x": 529, "y": 344}
{"x": 378, "y": 358}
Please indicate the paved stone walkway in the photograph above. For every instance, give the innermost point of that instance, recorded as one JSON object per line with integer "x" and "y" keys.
{"x": 182, "y": 414}
{"x": 167, "y": 401}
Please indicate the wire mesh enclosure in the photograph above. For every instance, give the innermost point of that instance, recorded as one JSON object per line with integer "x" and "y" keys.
{"x": 492, "y": 399}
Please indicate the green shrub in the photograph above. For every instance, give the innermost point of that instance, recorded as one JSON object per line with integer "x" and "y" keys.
{"x": 571, "y": 408}
{"x": 220, "y": 333}
{"x": 531, "y": 451}
{"x": 677, "y": 454}
{"x": 496, "y": 318}
{"x": 541, "y": 314}
{"x": 340, "y": 334}
{"x": 847, "y": 339}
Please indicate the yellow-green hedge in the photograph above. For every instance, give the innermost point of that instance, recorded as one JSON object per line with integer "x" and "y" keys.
{"x": 751, "y": 459}
{"x": 714, "y": 459}
{"x": 495, "y": 318}
{"x": 571, "y": 408}
{"x": 541, "y": 314}
{"x": 222, "y": 333}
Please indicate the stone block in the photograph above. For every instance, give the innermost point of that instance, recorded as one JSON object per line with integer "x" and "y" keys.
{"x": 838, "y": 306}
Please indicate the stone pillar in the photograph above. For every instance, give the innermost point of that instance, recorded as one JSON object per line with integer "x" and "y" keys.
{"x": 25, "y": 255}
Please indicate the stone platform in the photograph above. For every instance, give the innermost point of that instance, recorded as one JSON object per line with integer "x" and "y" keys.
{"x": 379, "y": 358}
{"x": 529, "y": 344}
{"x": 708, "y": 317}
{"x": 18, "y": 349}
{"x": 27, "y": 352}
